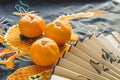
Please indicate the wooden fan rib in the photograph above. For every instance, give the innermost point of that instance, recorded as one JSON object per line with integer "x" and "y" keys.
{"x": 116, "y": 35}
{"x": 69, "y": 74}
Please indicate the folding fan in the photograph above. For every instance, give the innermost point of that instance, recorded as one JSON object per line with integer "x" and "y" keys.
{"x": 94, "y": 58}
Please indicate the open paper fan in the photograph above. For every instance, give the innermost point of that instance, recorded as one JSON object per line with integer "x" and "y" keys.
{"x": 95, "y": 58}
{"x": 26, "y": 73}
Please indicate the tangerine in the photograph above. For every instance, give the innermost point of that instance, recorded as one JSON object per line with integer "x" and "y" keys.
{"x": 31, "y": 25}
{"x": 59, "y": 31}
{"x": 44, "y": 52}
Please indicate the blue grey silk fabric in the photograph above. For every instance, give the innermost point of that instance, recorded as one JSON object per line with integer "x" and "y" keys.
{"x": 51, "y": 9}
